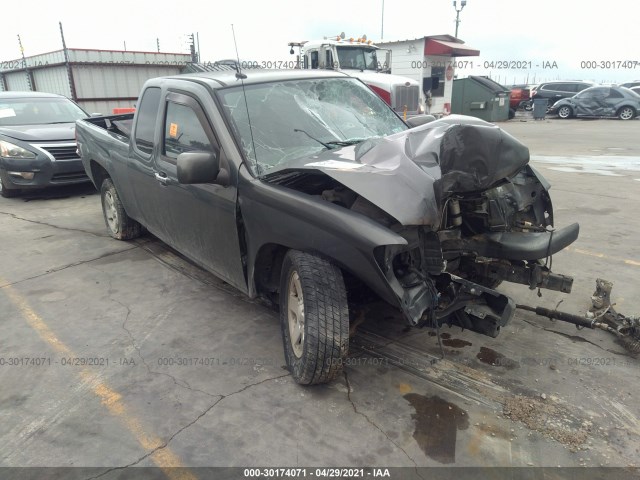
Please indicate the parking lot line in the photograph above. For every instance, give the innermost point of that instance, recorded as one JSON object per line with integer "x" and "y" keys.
{"x": 112, "y": 400}
{"x": 581, "y": 251}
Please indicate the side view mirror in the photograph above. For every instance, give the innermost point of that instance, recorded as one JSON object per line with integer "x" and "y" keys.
{"x": 198, "y": 167}
{"x": 419, "y": 120}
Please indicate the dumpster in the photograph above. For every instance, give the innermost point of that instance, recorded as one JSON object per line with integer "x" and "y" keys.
{"x": 480, "y": 97}
{"x": 539, "y": 108}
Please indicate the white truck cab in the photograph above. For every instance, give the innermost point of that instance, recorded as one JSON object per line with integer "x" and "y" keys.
{"x": 360, "y": 58}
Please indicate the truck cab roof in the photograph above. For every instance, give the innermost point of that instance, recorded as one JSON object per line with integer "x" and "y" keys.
{"x": 217, "y": 80}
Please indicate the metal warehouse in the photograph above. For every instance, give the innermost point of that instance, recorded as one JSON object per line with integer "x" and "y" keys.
{"x": 98, "y": 80}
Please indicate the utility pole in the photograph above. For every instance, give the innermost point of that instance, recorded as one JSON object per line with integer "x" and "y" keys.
{"x": 158, "y": 44}
{"x": 192, "y": 48}
{"x": 382, "y": 27}
{"x": 72, "y": 85}
{"x": 24, "y": 64}
{"x": 463, "y": 3}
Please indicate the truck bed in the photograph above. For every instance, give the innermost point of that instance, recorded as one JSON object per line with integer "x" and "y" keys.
{"x": 119, "y": 124}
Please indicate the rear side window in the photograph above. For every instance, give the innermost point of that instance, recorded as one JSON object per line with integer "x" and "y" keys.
{"x": 146, "y": 120}
{"x": 183, "y": 131}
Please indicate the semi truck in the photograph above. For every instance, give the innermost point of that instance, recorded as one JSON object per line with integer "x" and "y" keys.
{"x": 360, "y": 58}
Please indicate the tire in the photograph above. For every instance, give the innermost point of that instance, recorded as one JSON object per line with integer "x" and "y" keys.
{"x": 318, "y": 322}
{"x": 512, "y": 113}
{"x": 119, "y": 224}
{"x": 8, "y": 193}
{"x": 626, "y": 113}
{"x": 565, "y": 112}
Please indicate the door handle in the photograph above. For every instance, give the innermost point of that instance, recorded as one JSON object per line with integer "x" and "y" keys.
{"x": 162, "y": 178}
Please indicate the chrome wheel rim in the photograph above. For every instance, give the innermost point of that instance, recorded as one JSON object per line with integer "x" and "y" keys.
{"x": 1, "y": 185}
{"x": 295, "y": 314}
{"x": 626, "y": 114}
{"x": 110, "y": 212}
{"x": 563, "y": 112}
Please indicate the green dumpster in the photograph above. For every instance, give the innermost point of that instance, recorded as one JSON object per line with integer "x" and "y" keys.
{"x": 480, "y": 97}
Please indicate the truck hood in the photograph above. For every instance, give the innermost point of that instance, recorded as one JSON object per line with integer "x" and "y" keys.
{"x": 382, "y": 80}
{"x": 409, "y": 175}
{"x": 41, "y": 133}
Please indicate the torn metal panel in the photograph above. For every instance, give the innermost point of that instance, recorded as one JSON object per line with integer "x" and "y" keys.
{"x": 410, "y": 174}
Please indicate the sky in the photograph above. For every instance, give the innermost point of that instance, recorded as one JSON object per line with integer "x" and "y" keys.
{"x": 565, "y": 35}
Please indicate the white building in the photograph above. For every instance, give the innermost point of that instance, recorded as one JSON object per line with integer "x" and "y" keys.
{"x": 431, "y": 61}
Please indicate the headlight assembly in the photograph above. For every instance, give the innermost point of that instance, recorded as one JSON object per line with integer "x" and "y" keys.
{"x": 9, "y": 150}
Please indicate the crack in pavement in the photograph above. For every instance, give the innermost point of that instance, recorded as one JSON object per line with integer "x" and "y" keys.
{"x": 193, "y": 422}
{"x": 134, "y": 343}
{"x": 375, "y": 425}
{"x": 64, "y": 267}
{"x": 13, "y": 215}
{"x": 178, "y": 383}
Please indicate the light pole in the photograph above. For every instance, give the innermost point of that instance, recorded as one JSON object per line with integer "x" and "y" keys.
{"x": 463, "y": 3}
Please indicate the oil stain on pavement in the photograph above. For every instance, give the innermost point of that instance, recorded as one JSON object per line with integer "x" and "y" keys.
{"x": 436, "y": 426}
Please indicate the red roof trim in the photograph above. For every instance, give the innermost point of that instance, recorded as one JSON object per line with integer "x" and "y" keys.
{"x": 451, "y": 49}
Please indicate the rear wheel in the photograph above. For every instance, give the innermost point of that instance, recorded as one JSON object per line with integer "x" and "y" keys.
{"x": 565, "y": 112}
{"x": 626, "y": 113}
{"x": 119, "y": 224}
{"x": 314, "y": 318}
{"x": 6, "y": 193}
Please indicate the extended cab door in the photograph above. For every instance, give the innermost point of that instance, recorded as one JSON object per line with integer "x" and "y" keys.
{"x": 197, "y": 220}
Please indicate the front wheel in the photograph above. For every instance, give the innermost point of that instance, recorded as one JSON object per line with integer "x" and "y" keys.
{"x": 626, "y": 113}
{"x": 7, "y": 193}
{"x": 565, "y": 112}
{"x": 119, "y": 224}
{"x": 314, "y": 318}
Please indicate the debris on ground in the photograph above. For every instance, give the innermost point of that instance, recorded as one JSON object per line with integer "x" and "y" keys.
{"x": 549, "y": 419}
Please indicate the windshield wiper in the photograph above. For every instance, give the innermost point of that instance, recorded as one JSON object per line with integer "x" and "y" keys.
{"x": 346, "y": 143}
{"x": 326, "y": 145}
{"x": 332, "y": 143}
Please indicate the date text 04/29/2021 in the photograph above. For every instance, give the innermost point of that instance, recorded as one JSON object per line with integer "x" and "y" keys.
{"x": 296, "y": 472}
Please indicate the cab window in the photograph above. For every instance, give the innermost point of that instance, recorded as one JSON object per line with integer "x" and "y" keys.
{"x": 146, "y": 120}
{"x": 314, "y": 59}
{"x": 183, "y": 131}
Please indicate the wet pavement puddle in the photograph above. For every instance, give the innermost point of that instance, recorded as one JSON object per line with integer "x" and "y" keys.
{"x": 606, "y": 165}
{"x": 436, "y": 426}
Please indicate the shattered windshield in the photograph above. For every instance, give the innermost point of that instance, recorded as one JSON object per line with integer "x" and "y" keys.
{"x": 293, "y": 119}
{"x": 357, "y": 57}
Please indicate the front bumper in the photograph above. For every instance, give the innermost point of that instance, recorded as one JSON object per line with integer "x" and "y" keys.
{"x": 55, "y": 164}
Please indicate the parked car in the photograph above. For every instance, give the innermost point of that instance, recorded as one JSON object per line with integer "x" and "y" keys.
{"x": 635, "y": 83}
{"x": 303, "y": 187}
{"x": 520, "y": 96}
{"x": 635, "y": 89}
{"x": 554, "y": 91}
{"x": 602, "y": 101}
{"x": 37, "y": 142}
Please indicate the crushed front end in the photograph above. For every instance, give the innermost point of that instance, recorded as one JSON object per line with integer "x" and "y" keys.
{"x": 495, "y": 224}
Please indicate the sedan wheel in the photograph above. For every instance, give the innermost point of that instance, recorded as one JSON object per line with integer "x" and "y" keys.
{"x": 6, "y": 193}
{"x": 626, "y": 113}
{"x": 565, "y": 112}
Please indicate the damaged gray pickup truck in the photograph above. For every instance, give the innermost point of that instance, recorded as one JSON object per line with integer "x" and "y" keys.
{"x": 304, "y": 187}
